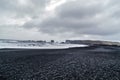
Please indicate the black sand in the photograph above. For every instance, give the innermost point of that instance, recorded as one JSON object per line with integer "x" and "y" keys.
{"x": 64, "y": 64}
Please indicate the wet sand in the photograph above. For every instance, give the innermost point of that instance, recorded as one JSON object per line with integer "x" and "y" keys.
{"x": 64, "y": 64}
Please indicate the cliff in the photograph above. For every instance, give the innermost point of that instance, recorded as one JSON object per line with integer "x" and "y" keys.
{"x": 93, "y": 42}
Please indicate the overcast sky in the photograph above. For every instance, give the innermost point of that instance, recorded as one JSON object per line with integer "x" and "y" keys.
{"x": 60, "y": 19}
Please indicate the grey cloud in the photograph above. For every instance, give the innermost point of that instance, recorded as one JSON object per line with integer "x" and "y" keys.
{"x": 31, "y": 8}
{"x": 73, "y": 18}
{"x": 58, "y": 25}
{"x": 81, "y": 19}
{"x": 77, "y": 10}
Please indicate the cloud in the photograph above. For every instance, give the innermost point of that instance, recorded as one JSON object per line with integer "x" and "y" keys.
{"x": 76, "y": 9}
{"x": 62, "y": 18}
{"x": 81, "y": 17}
{"x": 22, "y": 8}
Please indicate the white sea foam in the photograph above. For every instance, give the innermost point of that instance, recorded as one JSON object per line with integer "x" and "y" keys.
{"x": 39, "y": 46}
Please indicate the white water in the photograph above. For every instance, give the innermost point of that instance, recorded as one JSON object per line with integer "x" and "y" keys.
{"x": 38, "y": 46}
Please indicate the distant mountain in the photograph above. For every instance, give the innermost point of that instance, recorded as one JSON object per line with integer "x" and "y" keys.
{"x": 93, "y": 42}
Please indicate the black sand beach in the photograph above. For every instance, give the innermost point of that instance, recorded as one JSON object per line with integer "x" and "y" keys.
{"x": 60, "y": 64}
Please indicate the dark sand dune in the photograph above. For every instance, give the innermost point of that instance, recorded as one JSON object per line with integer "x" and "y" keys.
{"x": 65, "y": 64}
